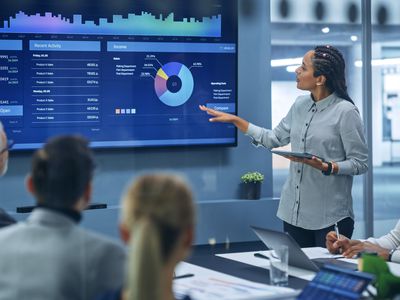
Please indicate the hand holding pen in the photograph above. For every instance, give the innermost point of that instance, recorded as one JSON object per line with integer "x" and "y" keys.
{"x": 337, "y": 243}
{"x": 333, "y": 241}
{"x": 337, "y": 231}
{"x": 337, "y": 235}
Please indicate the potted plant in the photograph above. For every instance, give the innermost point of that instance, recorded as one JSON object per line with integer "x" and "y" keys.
{"x": 251, "y": 185}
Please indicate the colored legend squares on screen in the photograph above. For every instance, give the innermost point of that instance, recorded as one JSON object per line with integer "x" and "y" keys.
{"x": 125, "y": 111}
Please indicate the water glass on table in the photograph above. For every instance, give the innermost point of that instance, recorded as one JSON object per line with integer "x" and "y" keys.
{"x": 279, "y": 266}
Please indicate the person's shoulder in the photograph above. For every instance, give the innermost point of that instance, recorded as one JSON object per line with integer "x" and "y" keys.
{"x": 13, "y": 231}
{"x": 345, "y": 108}
{"x": 302, "y": 101}
{"x": 345, "y": 105}
{"x": 101, "y": 240}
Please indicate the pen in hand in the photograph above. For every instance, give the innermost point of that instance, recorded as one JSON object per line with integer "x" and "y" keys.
{"x": 337, "y": 231}
{"x": 337, "y": 235}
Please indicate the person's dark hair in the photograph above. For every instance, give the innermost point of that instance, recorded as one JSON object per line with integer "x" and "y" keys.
{"x": 62, "y": 170}
{"x": 328, "y": 61}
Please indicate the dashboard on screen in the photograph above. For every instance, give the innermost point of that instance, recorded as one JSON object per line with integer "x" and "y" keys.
{"x": 123, "y": 73}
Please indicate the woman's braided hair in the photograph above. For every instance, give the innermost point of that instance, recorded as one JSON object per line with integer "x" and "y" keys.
{"x": 328, "y": 61}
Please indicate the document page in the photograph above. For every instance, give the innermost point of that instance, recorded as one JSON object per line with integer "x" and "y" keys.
{"x": 319, "y": 252}
{"x": 207, "y": 284}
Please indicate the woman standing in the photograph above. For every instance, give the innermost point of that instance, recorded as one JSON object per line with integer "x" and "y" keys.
{"x": 326, "y": 123}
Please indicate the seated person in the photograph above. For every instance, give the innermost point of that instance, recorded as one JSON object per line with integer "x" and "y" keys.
{"x": 387, "y": 246}
{"x": 5, "y": 219}
{"x": 157, "y": 222}
{"x": 49, "y": 256}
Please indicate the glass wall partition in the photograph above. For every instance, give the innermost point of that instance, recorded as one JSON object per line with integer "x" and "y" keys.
{"x": 386, "y": 114}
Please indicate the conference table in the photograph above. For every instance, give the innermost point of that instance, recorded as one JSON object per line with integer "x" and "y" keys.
{"x": 206, "y": 256}
{"x": 208, "y": 275}
{"x": 231, "y": 265}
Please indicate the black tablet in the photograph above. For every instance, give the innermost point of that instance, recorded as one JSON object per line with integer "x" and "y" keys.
{"x": 296, "y": 154}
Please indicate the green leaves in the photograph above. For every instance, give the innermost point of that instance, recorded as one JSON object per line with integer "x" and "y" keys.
{"x": 252, "y": 177}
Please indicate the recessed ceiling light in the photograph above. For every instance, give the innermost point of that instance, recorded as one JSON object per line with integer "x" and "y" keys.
{"x": 325, "y": 30}
{"x": 354, "y": 38}
{"x": 381, "y": 62}
{"x": 292, "y": 69}
{"x": 286, "y": 62}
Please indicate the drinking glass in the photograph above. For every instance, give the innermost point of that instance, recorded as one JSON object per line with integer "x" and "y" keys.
{"x": 279, "y": 266}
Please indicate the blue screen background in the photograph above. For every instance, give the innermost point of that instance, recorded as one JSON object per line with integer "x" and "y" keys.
{"x": 90, "y": 68}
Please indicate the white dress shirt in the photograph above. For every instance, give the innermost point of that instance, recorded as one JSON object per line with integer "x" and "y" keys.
{"x": 390, "y": 241}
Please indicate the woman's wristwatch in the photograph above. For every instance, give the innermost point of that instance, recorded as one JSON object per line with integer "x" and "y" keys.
{"x": 391, "y": 253}
{"x": 329, "y": 170}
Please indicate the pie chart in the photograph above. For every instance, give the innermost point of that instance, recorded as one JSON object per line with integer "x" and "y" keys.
{"x": 173, "y": 84}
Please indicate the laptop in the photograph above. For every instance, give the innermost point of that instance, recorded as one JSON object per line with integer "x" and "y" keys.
{"x": 297, "y": 258}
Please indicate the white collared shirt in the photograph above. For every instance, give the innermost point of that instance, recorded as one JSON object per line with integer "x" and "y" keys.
{"x": 390, "y": 241}
{"x": 330, "y": 128}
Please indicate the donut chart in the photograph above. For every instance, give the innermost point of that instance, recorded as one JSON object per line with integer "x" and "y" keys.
{"x": 173, "y": 84}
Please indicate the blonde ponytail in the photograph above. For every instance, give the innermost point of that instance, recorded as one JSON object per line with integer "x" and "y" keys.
{"x": 144, "y": 262}
{"x": 158, "y": 209}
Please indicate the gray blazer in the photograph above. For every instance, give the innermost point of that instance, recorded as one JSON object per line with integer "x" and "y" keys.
{"x": 49, "y": 257}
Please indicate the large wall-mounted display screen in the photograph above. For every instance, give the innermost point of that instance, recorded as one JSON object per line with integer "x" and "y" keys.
{"x": 123, "y": 73}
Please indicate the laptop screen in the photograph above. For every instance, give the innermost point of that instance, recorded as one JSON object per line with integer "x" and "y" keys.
{"x": 272, "y": 239}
